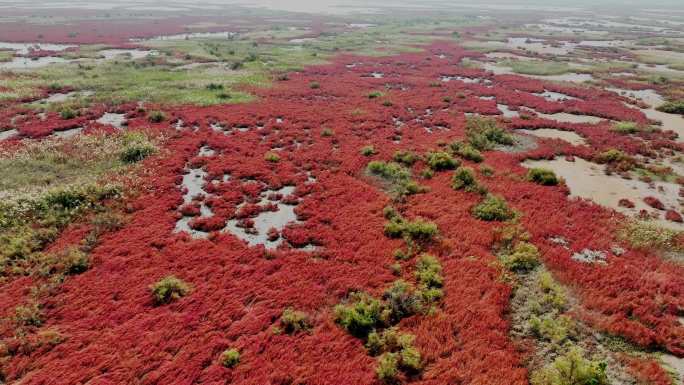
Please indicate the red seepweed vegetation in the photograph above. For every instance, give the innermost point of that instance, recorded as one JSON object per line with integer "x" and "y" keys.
{"x": 115, "y": 334}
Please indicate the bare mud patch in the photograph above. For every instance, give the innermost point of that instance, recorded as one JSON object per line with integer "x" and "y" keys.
{"x": 552, "y": 133}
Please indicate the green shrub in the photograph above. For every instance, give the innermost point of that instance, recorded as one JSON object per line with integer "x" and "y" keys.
{"x": 28, "y": 315}
{"x": 314, "y": 85}
{"x": 272, "y": 157}
{"x": 156, "y": 116}
{"x": 75, "y": 261}
{"x": 396, "y": 176}
{"x": 466, "y": 151}
{"x": 400, "y": 301}
{"x": 571, "y": 369}
{"x": 464, "y": 178}
{"x": 368, "y": 150}
{"x": 169, "y": 289}
{"x": 524, "y": 257}
{"x": 327, "y": 132}
{"x": 136, "y": 147}
{"x": 388, "y": 340}
{"x": 486, "y": 170}
{"x": 361, "y": 315}
{"x": 625, "y": 128}
{"x": 230, "y": 358}
{"x": 417, "y": 230}
{"x": 542, "y": 176}
{"x": 552, "y": 328}
{"x": 388, "y": 367}
{"x": 438, "y": 161}
{"x": 374, "y": 94}
{"x": 485, "y": 134}
{"x": 493, "y": 208}
{"x": 429, "y": 271}
{"x": 67, "y": 113}
{"x": 294, "y": 321}
{"x": 410, "y": 359}
{"x": 407, "y": 158}
{"x": 676, "y": 107}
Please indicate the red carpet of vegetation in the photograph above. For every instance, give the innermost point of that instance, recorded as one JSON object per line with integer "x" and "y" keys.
{"x": 115, "y": 334}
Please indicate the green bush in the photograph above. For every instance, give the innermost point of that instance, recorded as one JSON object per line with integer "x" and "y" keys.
{"x": 524, "y": 257}
{"x": 676, "y": 107}
{"x": 485, "y": 134}
{"x": 168, "y": 289}
{"x": 28, "y": 315}
{"x": 466, "y": 151}
{"x": 388, "y": 340}
{"x": 410, "y": 359}
{"x": 156, "y": 116}
{"x": 397, "y": 176}
{"x": 429, "y": 271}
{"x": 493, "y": 208}
{"x": 374, "y": 94}
{"x": 571, "y": 369}
{"x": 388, "y": 367}
{"x": 314, "y": 85}
{"x": 417, "y": 230}
{"x": 361, "y": 315}
{"x": 294, "y": 321}
{"x": 272, "y": 157}
{"x": 136, "y": 147}
{"x": 230, "y": 358}
{"x": 542, "y": 176}
{"x": 552, "y": 328}
{"x": 486, "y": 170}
{"x": 438, "y": 161}
{"x": 367, "y": 150}
{"x": 625, "y": 128}
{"x": 464, "y": 178}
{"x": 327, "y": 132}
{"x": 407, "y": 158}
{"x": 75, "y": 261}
{"x": 67, "y": 113}
{"x": 400, "y": 301}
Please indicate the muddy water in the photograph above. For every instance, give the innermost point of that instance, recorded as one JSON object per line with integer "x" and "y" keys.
{"x": 552, "y": 133}
{"x": 25, "y": 48}
{"x": 587, "y": 180}
{"x": 133, "y": 54}
{"x": 539, "y": 46}
{"x": 555, "y": 96}
{"x": 22, "y": 63}
{"x": 573, "y": 77}
{"x": 66, "y": 134}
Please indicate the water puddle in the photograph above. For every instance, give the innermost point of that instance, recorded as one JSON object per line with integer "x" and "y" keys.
{"x": 22, "y": 63}
{"x": 588, "y": 180}
{"x": 507, "y": 112}
{"x": 116, "y": 120}
{"x": 8, "y": 134}
{"x": 555, "y": 96}
{"x": 551, "y": 133}
{"x": 571, "y": 118}
{"x": 66, "y": 134}
{"x": 189, "y": 36}
{"x": 132, "y": 54}
{"x": 267, "y": 220}
{"x": 26, "y": 48}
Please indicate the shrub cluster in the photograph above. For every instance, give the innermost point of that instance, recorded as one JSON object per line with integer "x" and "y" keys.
{"x": 136, "y": 147}
{"x": 572, "y": 368}
{"x": 438, "y": 161}
{"x": 168, "y": 289}
{"x": 294, "y": 321}
{"x": 523, "y": 257}
{"x": 230, "y": 358}
{"x": 396, "y": 176}
{"x": 485, "y": 134}
{"x": 493, "y": 208}
{"x": 542, "y": 176}
{"x": 675, "y": 107}
{"x": 466, "y": 151}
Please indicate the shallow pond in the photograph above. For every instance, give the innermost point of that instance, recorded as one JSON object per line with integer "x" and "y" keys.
{"x": 587, "y": 180}
{"x": 552, "y": 133}
{"x": 116, "y": 120}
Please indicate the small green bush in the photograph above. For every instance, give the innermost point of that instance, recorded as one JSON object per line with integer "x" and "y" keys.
{"x": 625, "y": 128}
{"x": 314, "y": 85}
{"x": 552, "y": 328}
{"x": 368, "y": 150}
{"x": 429, "y": 271}
{"x": 169, "y": 289}
{"x": 389, "y": 340}
{"x": 486, "y": 170}
{"x": 417, "y": 230}
{"x": 464, "y": 178}
{"x": 438, "y": 161}
{"x": 571, "y": 369}
{"x": 230, "y": 358}
{"x": 294, "y": 321}
{"x": 361, "y": 315}
{"x": 272, "y": 157}
{"x": 28, "y": 315}
{"x": 676, "y": 107}
{"x": 410, "y": 359}
{"x": 401, "y": 301}
{"x": 388, "y": 367}
{"x": 407, "y": 158}
{"x": 485, "y": 134}
{"x": 327, "y": 132}
{"x": 136, "y": 147}
{"x": 374, "y": 94}
{"x": 466, "y": 151}
{"x": 156, "y": 116}
{"x": 542, "y": 176}
{"x": 67, "y": 113}
{"x": 524, "y": 257}
{"x": 493, "y": 208}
